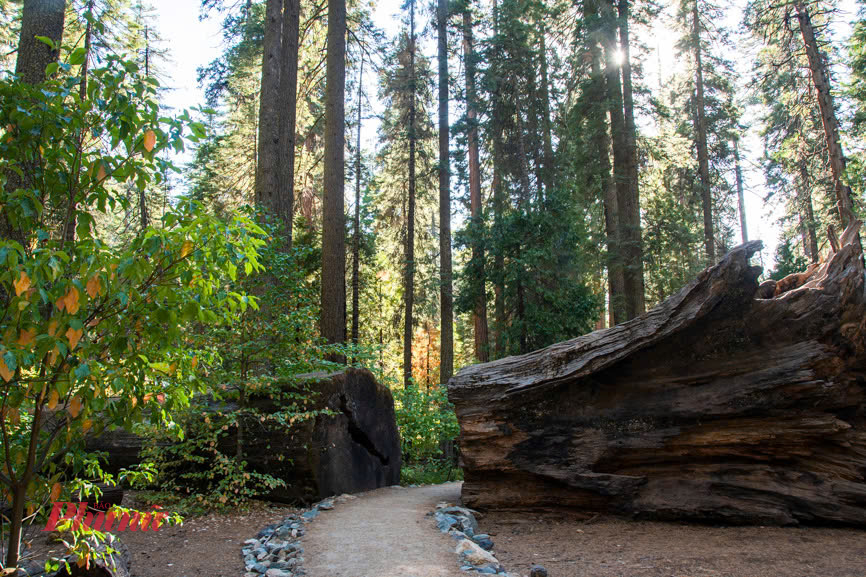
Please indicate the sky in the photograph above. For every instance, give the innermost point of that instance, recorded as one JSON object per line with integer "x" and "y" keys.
{"x": 192, "y": 43}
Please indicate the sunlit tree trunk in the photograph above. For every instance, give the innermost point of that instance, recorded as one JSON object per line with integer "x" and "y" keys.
{"x": 821, "y": 79}
{"x": 333, "y": 214}
{"x": 479, "y": 314}
{"x": 446, "y": 337}
{"x": 701, "y": 139}
{"x": 630, "y": 208}
{"x": 288, "y": 110}
{"x": 741, "y": 201}
{"x": 409, "y": 281}
{"x": 356, "y": 228}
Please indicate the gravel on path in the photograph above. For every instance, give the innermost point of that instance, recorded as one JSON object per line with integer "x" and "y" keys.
{"x": 383, "y": 533}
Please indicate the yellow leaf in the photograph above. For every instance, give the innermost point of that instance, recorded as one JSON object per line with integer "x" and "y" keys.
{"x": 52, "y": 356}
{"x": 134, "y": 401}
{"x": 74, "y": 336}
{"x": 85, "y": 425}
{"x": 22, "y": 284}
{"x": 172, "y": 368}
{"x": 71, "y": 300}
{"x": 101, "y": 174}
{"x": 94, "y": 286}
{"x": 185, "y": 248}
{"x": 4, "y": 371}
{"x": 55, "y": 491}
{"x": 53, "y": 400}
{"x": 26, "y": 337}
{"x": 52, "y": 327}
{"x": 194, "y": 362}
{"x": 74, "y": 406}
{"x": 149, "y": 140}
{"x": 61, "y": 303}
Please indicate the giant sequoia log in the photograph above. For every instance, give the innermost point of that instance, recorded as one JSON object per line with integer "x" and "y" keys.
{"x": 728, "y": 402}
{"x": 352, "y": 447}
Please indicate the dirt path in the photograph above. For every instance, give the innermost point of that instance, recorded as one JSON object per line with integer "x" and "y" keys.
{"x": 383, "y": 533}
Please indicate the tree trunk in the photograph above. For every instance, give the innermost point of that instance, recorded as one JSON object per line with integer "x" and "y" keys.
{"x": 630, "y": 210}
{"x": 620, "y": 162}
{"x": 821, "y": 79}
{"x": 547, "y": 129}
{"x": 333, "y": 215}
{"x": 729, "y": 402}
{"x": 479, "y": 313}
{"x": 288, "y": 110}
{"x": 808, "y": 215}
{"x": 409, "y": 282}
{"x": 446, "y": 336}
{"x": 268, "y": 163}
{"x": 39, "y": 18}
{"x": 741, "y": 203}
{"x": 356, "y": 229}
{"x": 701, "y": 139}
{"x": 615, "y": 279}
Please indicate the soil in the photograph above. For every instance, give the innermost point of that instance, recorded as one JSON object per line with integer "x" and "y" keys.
{"x": 383, "y": 533}
{"x": 205, "y": 546}
{"x": 611, "y": 547}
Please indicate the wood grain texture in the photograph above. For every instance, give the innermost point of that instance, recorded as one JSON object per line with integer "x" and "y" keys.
{"x": 714, "y": 406}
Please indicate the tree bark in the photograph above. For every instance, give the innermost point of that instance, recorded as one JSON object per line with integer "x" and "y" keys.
{"x": 446, "y": 335}
{"x": 729, "y": 402}
{"x": 356, "y": 228}
{"x": 701, "y": 139}
{"x": 615, "y": 279}
{"x": 268, "y": 162}
{"x": 39, "y": 18}
{"x": 479, "y": 313}
{"x": 619, "y": 143}
{"x": 409, "y": 279}
{"x": 741, "y": 202}
{"x": 810, "y": 230}
{"x": 630, "y": 209}
{"x": 333, "y": 213}
{"x": 821, "y": 79}
{"x": 287, "y": 114}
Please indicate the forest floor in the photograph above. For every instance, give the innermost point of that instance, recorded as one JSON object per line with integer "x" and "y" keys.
{"x": 610, "y": 547}
{"x": 204, "y": 546}
{"x": 388, "y": 533}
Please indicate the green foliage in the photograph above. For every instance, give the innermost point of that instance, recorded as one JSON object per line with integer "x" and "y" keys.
{"x": 430, "y": 473}
{"x": 426, "y": 420}
{"x": 788, "y": 261}
{"x": 94, "y": 328}
{"x": 256, "y": 356}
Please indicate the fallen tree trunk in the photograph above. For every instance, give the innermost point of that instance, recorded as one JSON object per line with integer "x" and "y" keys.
{"x": 352, "y": 446}
{"x": 716, "y": 405}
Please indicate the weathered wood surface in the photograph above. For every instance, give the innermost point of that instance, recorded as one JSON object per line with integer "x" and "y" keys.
{"x": 354, "y": 448}
{"x": 716, "y": 405}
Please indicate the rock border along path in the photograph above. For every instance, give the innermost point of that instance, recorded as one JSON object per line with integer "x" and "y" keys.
{"x": 277, "y": 551}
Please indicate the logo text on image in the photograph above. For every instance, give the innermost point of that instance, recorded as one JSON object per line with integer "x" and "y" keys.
{"x": 107, "y": 521}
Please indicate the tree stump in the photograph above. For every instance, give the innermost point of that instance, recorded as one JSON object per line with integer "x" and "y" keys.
{"x": 717, "y": 405}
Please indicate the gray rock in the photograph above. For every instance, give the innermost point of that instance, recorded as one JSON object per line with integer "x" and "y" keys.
{"x": 259, "y": 567}
{"x": 251, "y": 574}
{"x": 538, "y": 571}
{"x": 310, "y": 515}
{"x": 277, "y": 573}
{"x": 326, "y": 505}
{"x": 484, "y": 541}
{"x": 445, "y": 522}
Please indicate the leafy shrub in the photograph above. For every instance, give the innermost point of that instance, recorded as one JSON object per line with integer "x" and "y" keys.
{"x": 93, "y": 333}
{"x": 427, "y": 423}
